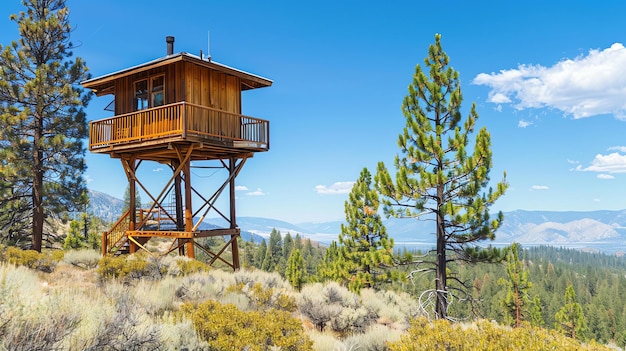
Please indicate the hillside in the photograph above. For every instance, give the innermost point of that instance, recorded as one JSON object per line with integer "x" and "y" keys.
{"x": 252, "y": 309}
{"x": 105, "y": 206}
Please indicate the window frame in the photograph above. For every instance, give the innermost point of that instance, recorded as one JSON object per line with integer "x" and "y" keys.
{"x": 148, "y": 99}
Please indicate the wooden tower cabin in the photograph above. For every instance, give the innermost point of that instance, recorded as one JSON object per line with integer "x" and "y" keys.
{"x": 176, "y": 110}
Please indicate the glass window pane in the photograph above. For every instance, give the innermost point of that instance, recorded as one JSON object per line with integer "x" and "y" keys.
{"x": 158, "y": 95}
{"x": 141, "y": 95}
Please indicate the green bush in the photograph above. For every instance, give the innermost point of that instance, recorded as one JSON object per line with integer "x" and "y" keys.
{"x": 189, "y": 266}
{"x": 43, "y": 261}
{"x": 111, "y": 267}
{"x": 484, "y": 336}
{"x": 130, "y": 267}
{"x": 225, "y": 327}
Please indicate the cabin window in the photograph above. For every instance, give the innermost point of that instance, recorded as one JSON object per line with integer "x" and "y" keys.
{"x": 150, "y": 92}
{"x": 141, "y": 95}
{"x": 157, "y": 94}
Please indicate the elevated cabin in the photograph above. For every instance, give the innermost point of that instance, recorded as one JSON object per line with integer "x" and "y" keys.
{"x": 178, "y": 98}
{"x": 174, "y": 110}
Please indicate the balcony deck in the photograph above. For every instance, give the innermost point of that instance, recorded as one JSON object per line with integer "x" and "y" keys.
{"x": 153, "y": 132}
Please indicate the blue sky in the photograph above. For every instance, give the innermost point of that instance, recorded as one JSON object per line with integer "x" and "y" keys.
{"x": 549, "y": 82}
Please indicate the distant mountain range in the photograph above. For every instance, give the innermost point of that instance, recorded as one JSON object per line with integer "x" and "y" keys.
{"x": 603, "y": 231}
{"x": 105, "y": 206}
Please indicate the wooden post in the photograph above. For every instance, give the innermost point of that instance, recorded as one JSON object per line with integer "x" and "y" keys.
{"x": 132, "y": 189}
{"x": 178, "y": 195}
{"x": 233, "y": 214}
{"x": 188, "y": 209}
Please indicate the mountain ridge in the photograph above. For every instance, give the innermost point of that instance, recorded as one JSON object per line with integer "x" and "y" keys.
{"x": 600, "y": 230}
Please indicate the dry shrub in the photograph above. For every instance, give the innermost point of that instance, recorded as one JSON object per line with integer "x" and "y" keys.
{"x": 334, "y": 306}
{"x": 86, "y": 259}
{"x": 31, "y": 317}
{"x": 391, "y": 307}
{"x": 375, "y": 338}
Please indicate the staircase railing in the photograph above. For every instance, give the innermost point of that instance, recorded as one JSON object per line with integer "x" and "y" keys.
{"x": 116, "y": 237}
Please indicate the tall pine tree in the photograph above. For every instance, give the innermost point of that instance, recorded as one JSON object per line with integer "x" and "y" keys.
{"x": 274, "y": 251}
{"x": 42, "y": 121}
{"x": 570, "y": 319}
{"x": 439, "y": 178}
{"x": 365, "y": 245}
{"x": 295, "y": 272}
{"x": 516, "y": 301}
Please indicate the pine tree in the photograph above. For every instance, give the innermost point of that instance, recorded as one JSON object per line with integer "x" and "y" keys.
{"x": 249, "y": 249}
{"x": 536, "y": 312}
{"x": 127, "y": 199}
{"x": 74, "y": 238}
{"x": 439, "y": 178}
{"x": 365, "y": 244}
{"x": 570, "y": 319}
{"x": 274, "y": 252}
{"x": 42, "y": 121}
{"x": 517, "y": 299}
{"x": 259, "y": 255}
{"x": 288, "y": 245}
{"x": 334, "y": 266}
{"x": 295, "y": 273}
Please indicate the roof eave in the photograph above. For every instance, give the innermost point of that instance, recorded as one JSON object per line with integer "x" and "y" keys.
{"x": 252, "y": 81}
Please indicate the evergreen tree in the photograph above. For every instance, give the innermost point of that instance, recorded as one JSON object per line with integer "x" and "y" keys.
{"x": 42, "y": 121}
{"x": 259, "y": 255}
{"x": 334, "y": 266}
{"x": 127, "y": 199}
{"x": 74, "y": 238}
{"x": 517, "y": 283}
{"x": 570, "y": 319}
{"x": 295, "y": 273}
{"x": 536, "y": 312}
{"x": 297, "y": 242}
{"x": 365, "y": 244}
{"x": 249, "y": 251}
{"x": 288, "y": 245}
{"x": 438, "y": 178}
{"x": 312, "y": 256}
{"x": 274, "y": 252}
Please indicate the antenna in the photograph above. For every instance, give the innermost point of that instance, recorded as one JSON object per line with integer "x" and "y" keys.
{"x": 208, "y": 49}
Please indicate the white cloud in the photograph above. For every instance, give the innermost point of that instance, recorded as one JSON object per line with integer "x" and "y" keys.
{"x": 582, "y": 87}
{"x": 524, "y": 124}
{"x": 336, "y": 188}
{"x": 605, "y": 176}
{"x": 611, "y": 163}
{"x": 88, "y": 179}
{"x": 539, "y": 187}
{"x": 617, "y": 148}
{"x": 159, "y": 169}
{"x": 257, "y": 192}
{"x": 241, "y": 188}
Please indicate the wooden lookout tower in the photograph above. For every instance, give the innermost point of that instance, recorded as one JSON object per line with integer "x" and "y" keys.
{"x": 176, "y": 110}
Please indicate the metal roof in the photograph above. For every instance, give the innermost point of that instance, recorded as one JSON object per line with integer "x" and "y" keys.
{"x": 250, "y": 81}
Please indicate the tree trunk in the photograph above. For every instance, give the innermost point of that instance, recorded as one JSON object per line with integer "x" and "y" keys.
{"x": 441, "y": 283}
{"x": 518, "y": 309}
{"x": 37, "y": 193}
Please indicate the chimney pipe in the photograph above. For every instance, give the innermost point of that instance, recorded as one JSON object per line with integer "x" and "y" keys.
{"x": 170, "y": 45}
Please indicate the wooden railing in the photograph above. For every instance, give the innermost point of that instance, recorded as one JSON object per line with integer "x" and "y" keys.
{"x": 180, "y": 119}
{"x": 118, "y": 232}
